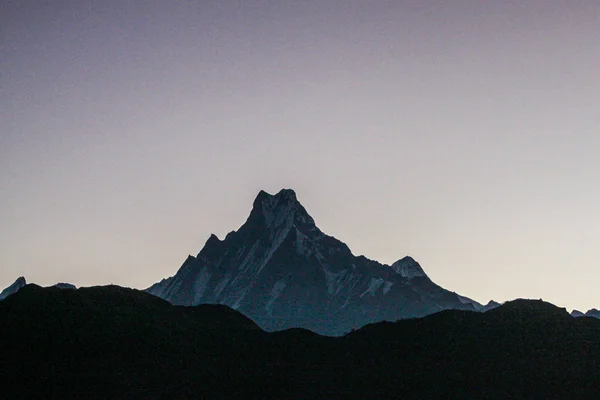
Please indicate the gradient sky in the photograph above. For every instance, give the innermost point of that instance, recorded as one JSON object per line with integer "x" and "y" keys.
{"x": 463, "y": 133}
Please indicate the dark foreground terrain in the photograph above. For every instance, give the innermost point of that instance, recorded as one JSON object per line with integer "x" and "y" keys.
{"x": 111, "y": 342}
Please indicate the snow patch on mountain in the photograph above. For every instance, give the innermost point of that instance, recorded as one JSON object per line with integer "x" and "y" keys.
{"x": 275, "y": 293}
{"x": 201, "y": 284}
{"x": 373, "y": 286}
{"x": 333, "y": 280}
{"x": 221, "y": 285}
{"x": 241, "y": 297}
{"x": 387, "y": 286}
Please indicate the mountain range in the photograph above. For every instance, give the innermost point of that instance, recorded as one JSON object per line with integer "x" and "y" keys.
{"x": 282, "y": 271}
{"x": 113, "y": 342}
{"x": 239, "y": 320}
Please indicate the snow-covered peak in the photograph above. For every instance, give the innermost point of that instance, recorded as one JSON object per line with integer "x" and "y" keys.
{"x": 407, "y": 267}
{"x": 14, "y": 288}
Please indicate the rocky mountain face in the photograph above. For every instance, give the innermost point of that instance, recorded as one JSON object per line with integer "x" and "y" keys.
{"x": 280, "y": 270}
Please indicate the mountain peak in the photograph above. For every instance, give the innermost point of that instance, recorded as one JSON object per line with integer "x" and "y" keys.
{"x": 407, "y": 267}
{"x": 281, "y": 209}
{"x": 593, "y": 313}
{"x": 282, "y": 270}
{"x": 287, "y": 195}
{"x": 14, "y": 288}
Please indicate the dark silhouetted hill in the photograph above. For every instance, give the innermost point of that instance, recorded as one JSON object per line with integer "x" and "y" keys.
{"x": 112, "y": 342}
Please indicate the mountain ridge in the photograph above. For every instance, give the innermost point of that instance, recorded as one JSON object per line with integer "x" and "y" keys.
{"x": 283, "y": 271}
{"x": 282, "y": 227}
{"x": 113, "y": 342}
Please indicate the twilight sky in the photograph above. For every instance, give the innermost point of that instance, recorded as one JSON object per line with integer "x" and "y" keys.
{"x": 463, "y": 133}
